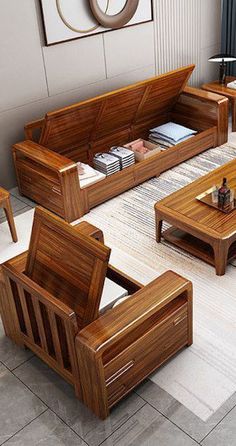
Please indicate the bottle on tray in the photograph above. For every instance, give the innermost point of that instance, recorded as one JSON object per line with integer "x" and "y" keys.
{"x": 224, "y": 194}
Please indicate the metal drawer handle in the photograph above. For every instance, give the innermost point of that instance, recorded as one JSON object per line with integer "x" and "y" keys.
{"x": 179, "y": 319}
{"x": 57, "y": 191}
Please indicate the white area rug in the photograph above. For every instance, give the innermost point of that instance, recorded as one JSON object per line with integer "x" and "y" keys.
{"x": 203, "y": 376}
{"x": 8, "y": 248}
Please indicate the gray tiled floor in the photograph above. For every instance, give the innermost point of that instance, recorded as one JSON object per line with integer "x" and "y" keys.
{"x": 149, "y": 428}
{"x": 225, "y": 433}
{"x": 46, "y": 430}
{"x": 19, "y": 405}
{"x": 10, "y": 355}
{"x": 179, "y": 414}
{"x": 60, "y": 398}
{"x": 39, "y": 408}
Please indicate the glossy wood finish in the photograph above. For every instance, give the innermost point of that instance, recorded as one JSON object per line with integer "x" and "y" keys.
{"x": 48, "y": 178}
{"x": 35, "y": 317}
{"x": 124, "y": 346}
{"x": 215, "y": 229}
{"x": 68, "y": 264}
{"x": 115, "y": 352}
{"x": 44, "y": 324}
{"x": 90, "y": 122}
{"x": 196, "y": 108}
{"x": 5, "y": 204}
{"x": 18, "y": 263}
{"x": 216, "y": 87}
{"x": 46, "y": 164}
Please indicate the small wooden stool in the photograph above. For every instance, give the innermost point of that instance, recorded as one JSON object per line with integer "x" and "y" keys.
{"x": 6, "y": 205}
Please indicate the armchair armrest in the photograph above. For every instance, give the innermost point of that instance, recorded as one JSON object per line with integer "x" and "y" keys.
{"x": 122, "y": 347}
{"x": 121, "y": 320}
{"x": 43, "y": 156}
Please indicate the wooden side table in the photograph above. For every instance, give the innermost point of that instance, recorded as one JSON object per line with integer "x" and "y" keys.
{"x": 216, "y": 87}
{"x": 6, "y": 205}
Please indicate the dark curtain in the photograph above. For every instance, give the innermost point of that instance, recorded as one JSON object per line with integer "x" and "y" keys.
{"x": 228, "y": 37}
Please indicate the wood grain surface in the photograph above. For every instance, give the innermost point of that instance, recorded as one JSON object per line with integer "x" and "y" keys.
{"x": 206, "y": 223}
{"x": 5, "y": 204}
{"x": 47, "y": 172}
{"x": 42, "y": 309}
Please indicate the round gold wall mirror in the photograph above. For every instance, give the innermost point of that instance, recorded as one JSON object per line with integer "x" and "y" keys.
{"x": 117, "y": 20}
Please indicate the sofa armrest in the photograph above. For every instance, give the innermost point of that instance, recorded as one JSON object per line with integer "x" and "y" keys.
{"x": 33, "y": 126}
{"x": 43, "y": 156}
{"x": 203, "y": 110}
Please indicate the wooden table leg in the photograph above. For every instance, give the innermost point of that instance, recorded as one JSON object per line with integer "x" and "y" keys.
{"x": 221, "y": 249}
{"x": 233, "y": 109}
{"x": 158, "y": 228}
{"x": 9, "y": 214}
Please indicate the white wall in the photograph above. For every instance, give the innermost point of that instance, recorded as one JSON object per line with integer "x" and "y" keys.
{"x": 35, "y": 78}
{"x": 188, "y": 31}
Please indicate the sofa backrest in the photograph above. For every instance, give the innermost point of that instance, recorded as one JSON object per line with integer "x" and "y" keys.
{"x": 113, "y": 118}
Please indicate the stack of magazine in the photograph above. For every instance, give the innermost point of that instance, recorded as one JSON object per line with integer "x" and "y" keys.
{"x": 106, "y": 163}
{"x": 125, "y": 156}
{"x": 170, "y": 134}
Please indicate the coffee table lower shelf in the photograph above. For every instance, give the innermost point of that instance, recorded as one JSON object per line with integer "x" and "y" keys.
{"x": 195, "y": 246}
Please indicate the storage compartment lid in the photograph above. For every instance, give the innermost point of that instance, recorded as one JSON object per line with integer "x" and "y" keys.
{"x": 84, "y": 123}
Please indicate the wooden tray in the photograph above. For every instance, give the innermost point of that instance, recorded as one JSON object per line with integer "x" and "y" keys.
{"x": 206, "y": 198}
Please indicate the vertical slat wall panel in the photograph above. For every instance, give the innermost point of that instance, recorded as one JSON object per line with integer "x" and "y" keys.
{"x": 178, "y": 37}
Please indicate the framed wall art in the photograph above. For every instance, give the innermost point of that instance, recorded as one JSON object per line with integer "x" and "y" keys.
{"x": 73, "y": 19}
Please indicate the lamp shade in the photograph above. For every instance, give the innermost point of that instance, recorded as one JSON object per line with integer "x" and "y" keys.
{"x": 223, "y": 57}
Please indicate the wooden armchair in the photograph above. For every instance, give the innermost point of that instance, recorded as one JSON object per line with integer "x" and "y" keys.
{"x": 50, "y": 300}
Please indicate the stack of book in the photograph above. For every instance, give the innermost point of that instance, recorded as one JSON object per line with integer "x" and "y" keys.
{"x": 125, "y": 156}
{"x": 106, "y": 163}
{"x": 88, "y": 175}
{"x": 170, "y": 134}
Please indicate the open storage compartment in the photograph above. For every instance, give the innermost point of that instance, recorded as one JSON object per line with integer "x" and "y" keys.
{"x": 76, "y": 133}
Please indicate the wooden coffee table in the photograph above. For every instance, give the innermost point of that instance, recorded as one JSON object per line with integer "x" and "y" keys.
{"x": 216, "y": 87}
{"x": 203, "y": 231}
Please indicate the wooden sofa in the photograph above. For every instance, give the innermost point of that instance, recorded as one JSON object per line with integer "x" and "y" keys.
{"x": 46, "y": 162}
{"x": 49, "y": 302}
